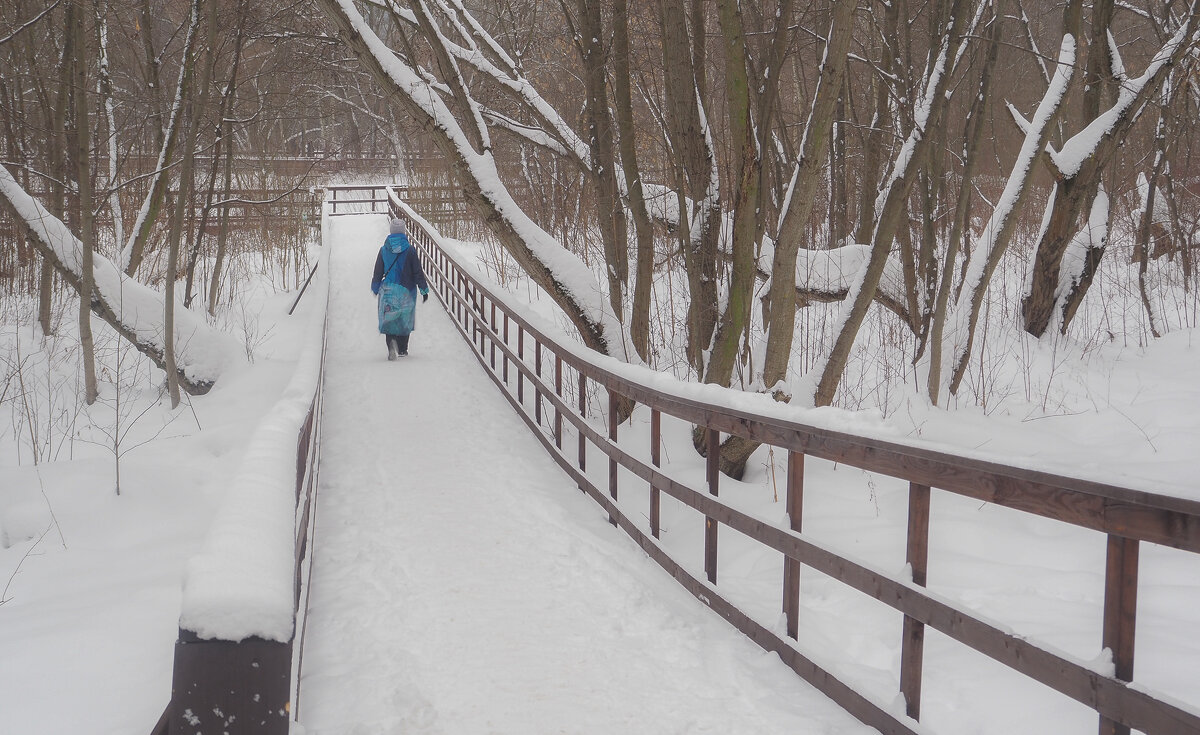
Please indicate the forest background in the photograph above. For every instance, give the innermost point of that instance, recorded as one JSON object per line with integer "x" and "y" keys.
{"x": 972, "y": 179}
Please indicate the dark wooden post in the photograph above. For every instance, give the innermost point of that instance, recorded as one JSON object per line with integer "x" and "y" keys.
{"x": 912, "y": 647}
{"x": 226, "y": 687}
{"x": 582, "y": 415}
{"x": 491, "y": 331}
{"x": 521, "y": 368}
{"x": 612, "y": 462}
{"x": 791, "y": 567}
{"x": 477, "y": 320}
{"x": 1120, "y": 614}
{"x": 558, "y": 363}
{"x": 506, "y": 343}
{"x": 713, "y": 467}
{"x": 460, "y": 289}
{"x": 655, "y": 459}
{"x": 537, "y": 386}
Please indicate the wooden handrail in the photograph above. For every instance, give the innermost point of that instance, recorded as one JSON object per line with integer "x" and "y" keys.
{"x": 248, "y": 685}
{"x": 1128, "y": 516}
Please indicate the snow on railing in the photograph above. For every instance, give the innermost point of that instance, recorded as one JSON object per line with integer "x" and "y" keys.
{"x": 546, "y": 379}
{"x": 241, "y": 593}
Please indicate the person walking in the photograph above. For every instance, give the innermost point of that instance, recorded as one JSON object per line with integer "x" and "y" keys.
{"x": 397, "y": 277}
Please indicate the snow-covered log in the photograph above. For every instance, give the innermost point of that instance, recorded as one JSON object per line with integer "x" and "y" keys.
{"x": 134, "y": 310}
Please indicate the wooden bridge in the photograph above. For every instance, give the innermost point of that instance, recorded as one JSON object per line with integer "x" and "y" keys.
{"x": 565, "y": 399}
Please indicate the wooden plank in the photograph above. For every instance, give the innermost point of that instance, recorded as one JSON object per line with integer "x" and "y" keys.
{"x": 912, "y": 648}
{"x": 537, "y": 393}
{"x": 791, "y": 567}
{"x": 558, "y": 383}
{"x": 492, "y": 328}
{"x": 655, "y": 459}
{"x": 612, "y": 462}
{"x": 713, "y": 477}
{"x": 506, "y": 320}
{"x": 583, "y": 415}
{"x": 1120, "y": 615}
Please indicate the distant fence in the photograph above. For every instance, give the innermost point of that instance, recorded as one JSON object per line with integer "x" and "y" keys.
{"x": 547, "y": 382}
{"x": 443, "y": 205}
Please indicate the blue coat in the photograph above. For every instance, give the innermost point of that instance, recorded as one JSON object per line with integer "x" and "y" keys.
{"x": 397, "y": 277}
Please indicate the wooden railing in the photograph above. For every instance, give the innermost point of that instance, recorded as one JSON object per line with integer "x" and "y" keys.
{"x": 247, "y": 685}
{"x": 436, "y": 203}
{"x": 548, "y": 382}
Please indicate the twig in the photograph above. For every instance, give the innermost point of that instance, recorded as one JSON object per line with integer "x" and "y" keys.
{"x": 61, "y": 539}
{"x": 4, "y": 593}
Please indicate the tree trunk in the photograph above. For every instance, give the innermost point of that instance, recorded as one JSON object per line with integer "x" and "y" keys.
{"x": 746, "y": 196}
{"x": 688, "y": 134}
{"x": 565, "y": 279}
{"x": 56, "y": 244}
{"x": 797, "y": 209}
{"x": 81, "y": 152}
{"x": 610, "y": 214}
{"x": 961, "y": 224}
{"x": 184, "y": 199}
{"x": 1078, "y": 184}
{"x": 894, "y": 198}
{"x": 135, "y": 248}
{"x": 639, "y": 326}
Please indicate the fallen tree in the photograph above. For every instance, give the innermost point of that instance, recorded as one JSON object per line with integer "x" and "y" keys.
{"x": 134, "y": 310}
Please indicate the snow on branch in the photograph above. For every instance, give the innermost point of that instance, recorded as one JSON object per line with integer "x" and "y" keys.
{"x": 564, "y": 275}
{"x": 1130, "y": 99}
{"x": 558, "y": 135}
{"x": 134, "y": 310}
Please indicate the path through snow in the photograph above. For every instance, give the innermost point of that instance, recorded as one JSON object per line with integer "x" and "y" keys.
{"x": 462, "y": 584}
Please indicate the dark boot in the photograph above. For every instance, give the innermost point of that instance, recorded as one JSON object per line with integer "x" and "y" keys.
{"x": 403, "y": 344}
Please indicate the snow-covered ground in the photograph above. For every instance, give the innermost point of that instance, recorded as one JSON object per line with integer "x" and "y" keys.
{"x": 90, "y": 581}
{"x": 451, "y": 596}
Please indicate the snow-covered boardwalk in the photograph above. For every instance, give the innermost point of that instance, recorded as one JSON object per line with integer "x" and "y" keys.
{"x": 461, "y": 583}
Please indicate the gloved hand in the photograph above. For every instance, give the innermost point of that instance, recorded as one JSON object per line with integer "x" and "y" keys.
{"x": 425, "y": 297}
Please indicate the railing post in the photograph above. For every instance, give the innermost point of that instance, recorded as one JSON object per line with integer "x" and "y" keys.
{"x": 477, "y": 321}
{"x": 791, "y": 567}
{"x": 1120, "y": 614}
{"x": 582, "y": 415}
{"x": 521, "y": 369}
{"x": 713, "y": 472}
{"x": 558, "y": 363}
{"x": 506, "y": 344}
{"x": 912, "y": 647}
{"x": 537, "y": 386}
{"x": 612, "y": 462}
{"x": 458, "y": 302}
{"x": 492, "y": 329}
{"x": 655, "y": 459}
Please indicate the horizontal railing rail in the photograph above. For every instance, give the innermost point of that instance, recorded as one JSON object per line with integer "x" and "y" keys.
{"x": 549, "y": 381}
